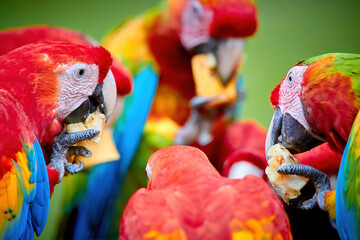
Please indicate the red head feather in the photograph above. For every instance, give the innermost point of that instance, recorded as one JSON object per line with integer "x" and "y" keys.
{"x": 17, "y": 37}
{"x": 233, "y": 18}
{"x": 274, "y": 96}
{"x": 29, "y": 73}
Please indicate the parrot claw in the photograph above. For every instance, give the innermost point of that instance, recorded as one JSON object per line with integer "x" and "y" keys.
{"x": 73, "y": 168}
{"x": 197, "y": 128}
{"x": 63, "y": 147}
{"x": 197, "y": 102}
{"x": 319, "y": 180}
{"x": 79, "y": 151}
{"x": 66, "y": 140}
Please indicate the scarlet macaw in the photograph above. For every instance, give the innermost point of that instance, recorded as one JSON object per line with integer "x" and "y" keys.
{"x": 43, "y": 86}
{"x": 187, "y": 198}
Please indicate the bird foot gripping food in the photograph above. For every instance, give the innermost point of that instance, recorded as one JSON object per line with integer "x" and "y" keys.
{"x": 208, "y": 83}
{"x": 286, "y": 186}
{"x": 95, "y": 121}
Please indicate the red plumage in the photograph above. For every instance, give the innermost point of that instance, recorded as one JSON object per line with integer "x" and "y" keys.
{"x": 29, "y": 76}
{"x": 187, "y": 198}
{"x": 244, "y": 141}
{"x": 331, "y": 104}
{"x": 274, "y": 96}
{"x": 237, "y": 19}
{"x": 17, "y": 37}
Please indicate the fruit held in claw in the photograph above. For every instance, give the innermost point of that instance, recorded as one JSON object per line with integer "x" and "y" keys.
{"x": 94, "y": 121}
{"x": 286, "y": 186}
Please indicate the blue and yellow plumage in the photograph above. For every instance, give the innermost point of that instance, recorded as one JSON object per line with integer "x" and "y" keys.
{"x": 347, "y": 200}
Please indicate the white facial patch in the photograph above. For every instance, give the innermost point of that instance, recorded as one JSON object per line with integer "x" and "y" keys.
{"x": 148, "y": 171}
{"x": 289, "y": 101}
{"x": 77, "y": 83}
{"x": 195, "y": 23}
{"x": 241, "y": 169}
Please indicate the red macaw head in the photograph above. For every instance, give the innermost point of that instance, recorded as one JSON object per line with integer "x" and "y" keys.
{"x": 59, "y": 81}
{"x": 168, "y": 166}
{"x": 218, "y": 27}
{"x": 315, "y": 103}
{"x": 17, "y": 37}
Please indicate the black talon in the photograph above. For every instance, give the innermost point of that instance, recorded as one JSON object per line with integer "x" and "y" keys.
{"x": 319, "y": 180}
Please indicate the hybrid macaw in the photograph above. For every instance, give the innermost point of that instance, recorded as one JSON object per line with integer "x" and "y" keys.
{"x": 318, "y": 101}
{"x": 158, "y": 47}
{"x": 187, "y": 198}
{"x": 243, "y": 151}
{"x": 43, "y": 86}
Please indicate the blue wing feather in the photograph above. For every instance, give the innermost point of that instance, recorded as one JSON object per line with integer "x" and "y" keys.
{"x": 40, "y": 205}
{"x": 35, "y": 202}
{"x": 105, "y": 181}
{"x": 347, "y": 205}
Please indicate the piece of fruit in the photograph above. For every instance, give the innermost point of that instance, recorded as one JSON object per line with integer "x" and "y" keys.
{"x": 95, "y": 120}
{"x": 286, "y": 186}
{"x": 208, "y": 83}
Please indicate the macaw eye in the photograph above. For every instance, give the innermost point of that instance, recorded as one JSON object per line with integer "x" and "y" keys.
{"x": 290, "y": 78}
{"x": 196, "y": 8}
{"x": 79, "y": 73}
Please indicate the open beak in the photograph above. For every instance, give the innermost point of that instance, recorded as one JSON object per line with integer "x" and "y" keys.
{"x": 103, "y": 98}
{"x": 228, "y": 54}
{"x": 290, "y": 133}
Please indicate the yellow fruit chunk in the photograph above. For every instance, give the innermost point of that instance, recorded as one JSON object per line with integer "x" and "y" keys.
{"x": 208, "y": 83}
{"x": 104, "y": 152}
{"x": 94, "y": 121}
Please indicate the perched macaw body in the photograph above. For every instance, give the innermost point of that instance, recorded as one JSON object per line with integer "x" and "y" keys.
{"x": 318, "y": 101}
{"x": 347, "y": 204}
{"x": 186, "y": 198}
{"x": 158, "y": 48}
{"x": 102, "y": 152}
{"x": 37, "y": 80}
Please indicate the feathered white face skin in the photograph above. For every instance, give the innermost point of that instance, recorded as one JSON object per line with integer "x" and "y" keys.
{"x": 289, "y": 95}
{"x": 196, "y": 20}
{"x": 77, "y": 83}
{"x": 148, "y": 171}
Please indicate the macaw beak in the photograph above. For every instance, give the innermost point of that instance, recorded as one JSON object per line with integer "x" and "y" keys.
{"x": 228, "y": 54}
{"x": 103, "y": 97}
{"x": 290, "y": 133}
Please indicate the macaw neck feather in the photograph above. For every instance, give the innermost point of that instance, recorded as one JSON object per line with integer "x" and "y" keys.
{"x": 330, "y": 96}
{"x": 35, "y": 89}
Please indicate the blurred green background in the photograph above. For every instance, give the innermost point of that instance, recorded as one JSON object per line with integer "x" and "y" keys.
{"x": 288, "y": 32}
